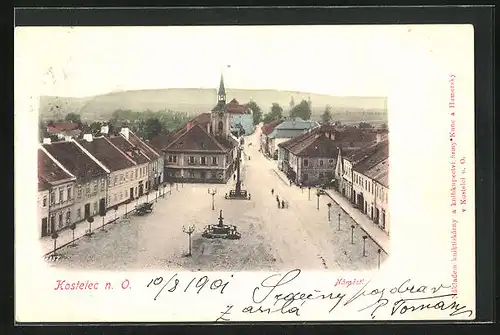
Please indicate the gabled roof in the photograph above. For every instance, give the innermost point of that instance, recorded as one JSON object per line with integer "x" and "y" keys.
{"x": 108, "y": 154}
{"x": 380, "y": 172}
{"x": 297, "y": 123}
{"x": 51, "y": 172}
{"x": 196, "y": 138}
{"x": 316, "y": 146}
{"x": 146, "y": 149}
{"x": 234, "y": 107}
{"x": 129, "y": 149}
{"x": 75, "y": 160}
{"x": 160, "y": 141}
{"x": 43, "y": 185}
{"x": 269, "y": 127}
{"x": 373, "y": 156}
{"x": 62, "y": 127}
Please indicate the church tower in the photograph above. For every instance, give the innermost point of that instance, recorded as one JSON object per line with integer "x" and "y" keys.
{"x": 220, "y": 117}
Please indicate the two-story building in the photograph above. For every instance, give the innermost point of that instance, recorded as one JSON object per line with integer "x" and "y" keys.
{"x": 91, "y": 177}
{"x": 240, "y": 118}
{"x": 378, "y": 200}
{"x": 286, "y": 130}
{"x": 204, "y": 150}
{"x": 60, "y": 184}
{"x": 43, "y": 208}
{"x": 156, "y": 160}
{"x": 139, "y": 181}
{"x": 265, "y": 131}
{"x": 121, "y": 178}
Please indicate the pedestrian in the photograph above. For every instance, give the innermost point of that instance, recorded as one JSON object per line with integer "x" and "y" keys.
{"x": 272, "y": 191}
{"x": 234, "y": 177}
{"x": 290, "y": 182}
{"x": 282, "y": 203}
{"x": 279, "y": 204}
{"x": 277, "y": 198}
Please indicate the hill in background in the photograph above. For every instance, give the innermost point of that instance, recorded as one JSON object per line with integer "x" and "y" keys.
{"x": 196, "y": 101}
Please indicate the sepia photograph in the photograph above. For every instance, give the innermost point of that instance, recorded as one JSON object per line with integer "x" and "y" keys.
{"x": 234, "y": 171}
{"x": 332, "y": 165}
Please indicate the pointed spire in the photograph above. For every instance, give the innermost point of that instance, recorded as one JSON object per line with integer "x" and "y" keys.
{"x": 222, "y": 89}
{"x": 339, "y": 171}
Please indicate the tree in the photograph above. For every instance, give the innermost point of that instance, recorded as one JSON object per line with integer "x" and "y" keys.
{"x": 383, "y": 126}
{"x": 364, "y": 125}
{"x": 276, "y": 113}
{"x": 73, "y": 117}
{"x": 257, "y": 113}
{"x": 152, "y": 127}
{"x": 302, "y": 110}
{"x": 327, "y": 115}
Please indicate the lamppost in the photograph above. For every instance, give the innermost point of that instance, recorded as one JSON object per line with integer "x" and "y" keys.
{"x": 189, "y": 231}
{"x": 352, "y": 233}
{"x": 329, "y": 208}
{"x": 338, "y": 228}
{"x": 182, "y": 181}
{"x": 212, "y": 192}
{"x": 115, "y": 207}
{"x": 364, "y": 245}
{"x": 54, "y": 236}
{"x": 73, "y": 227}
{"x": 171, "y": 183}
{"x": 309, "y": 196}
{"x": 147, "y": 195}
{"x": 126, "y": 203}
{"x": 379, "y": 251}
{"x": 318, "y": 194}
{"x": 90, "y": 220}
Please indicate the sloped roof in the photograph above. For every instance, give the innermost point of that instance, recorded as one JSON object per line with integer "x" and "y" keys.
{"x": 269, "y": 127}
{"x": 43, "y": 185}
{"x": 49, "y": 172}
{"x": 316, "y": 146}
{"x": 297, "y": 123}
{"x": 75, "y": 160}
{"x": 129, "y": 149}
{"x": 108, "y": 154}
{"x": 196, "y": 138}
{"x": 146, "y": 149}
{"x": 160, "y": 141}
{"x": 62, "y": 126}
{"x": 380, "y": 172}
{"x": 372, "y": 157}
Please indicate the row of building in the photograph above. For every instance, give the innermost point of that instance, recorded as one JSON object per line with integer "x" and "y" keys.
{"x": 81, "y": 178}
{"x": 353, "y": 161}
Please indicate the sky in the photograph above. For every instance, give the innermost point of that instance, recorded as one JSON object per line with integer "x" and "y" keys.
{"x": 335, "y": 60}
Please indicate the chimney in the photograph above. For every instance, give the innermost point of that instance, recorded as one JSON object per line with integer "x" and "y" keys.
{"x": 105, "y": 130}
{"x": 125, "y": 132}
{"x": 87, "y": 137}
{"x": 189, "y": 126}
{"x": 46, "y": 140}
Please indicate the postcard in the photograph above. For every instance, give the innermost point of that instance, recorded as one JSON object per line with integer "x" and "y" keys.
{"x": 244, "y": 173}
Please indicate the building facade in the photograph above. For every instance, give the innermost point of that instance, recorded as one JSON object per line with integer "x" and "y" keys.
{"x": 204, "y": 150}
{"x": 60, "y": 185}
{"x": 286, "y": 130}
{"x": 240, "y": 118}
{"x": 264, "y": 139}
{"x": 91, "y": 178}
{"x": 43, "y": 208}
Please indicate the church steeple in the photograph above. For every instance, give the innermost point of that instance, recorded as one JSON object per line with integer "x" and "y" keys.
{"x": 221, "y": 95}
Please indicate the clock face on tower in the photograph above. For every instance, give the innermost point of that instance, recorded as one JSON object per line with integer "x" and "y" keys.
{"x": 221, "y": 113}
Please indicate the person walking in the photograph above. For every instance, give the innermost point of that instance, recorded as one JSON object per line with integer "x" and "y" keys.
{"x": 272, "y": 191}
{"x": 283, "y": 204}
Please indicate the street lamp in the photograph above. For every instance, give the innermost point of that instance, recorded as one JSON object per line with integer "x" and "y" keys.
{"x": 182, "y": 181}
{"x": 309, "y": 192}
{"x": 54, "y": 236}
{"x": 364, "y": 245}
{"x": 189, "y": 231}
{"x": 212, "y": 192}
{"x": 147, "y": 194}
{"x": 338, "y": 228}
{"x": 73, "y": 227}
{"x": 379, "y": 251}
{"x": 317, "y": 195}
{"x": 329, "y": 208}
{"x": 352, "y": 233}
{"x": 126, "y": 203}
{"x": 90, "y": 220}
{"x": 115, "y": 207}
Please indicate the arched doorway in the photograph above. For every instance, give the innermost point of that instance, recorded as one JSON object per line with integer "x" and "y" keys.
{"x": 220, "y": 126}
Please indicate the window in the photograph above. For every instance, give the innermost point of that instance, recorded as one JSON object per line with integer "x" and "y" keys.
{"x": 79, "y": 192}
{"x": 61, "y": 196}
{"x": 109, "y": 200}
{"x": 214, "y": 175}
{"x": 44, "y": 202}
{"x": 121, "y": 178}
{"x": 191, "y": 159}
{"x": 60, "y": 225}
{"x": 95, "y": 207}
{"x": 68, "y": 217}
{"x": 121, "y": 195}
{"x": 203, "y": 174}
{"x": 203, "y": 161}
{"x": 191, "y": 173}
{"x": 306, "y": 162}
{"x": 103, "y": 184}
{"x": 126, "y": 194}
{"x": 330, "y": 162}
{"x": 95, "y": 188}
{"x": 320, "y": 162}
{"x": 115, "y": 197}
{"x": 79, "y": 213}
{"x": 115, "y": 180}
{"x": 214, "y": 160}
{"x": 87, "y": 189}
{"x": 69, "y": 193}
{"x": 321, "y": 176}
{"x": 135, "y": 173}
{"x": 305, "y": 177}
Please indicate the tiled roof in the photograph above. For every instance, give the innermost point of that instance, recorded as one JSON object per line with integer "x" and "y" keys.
{"x": 160, "y": 141}
{"x": 60, "y": 127}
{"x": 109, "y": 155}
{"x": 268, "y": 128}
{"x": 75, "y": 160}
{"x": 234, "y": 107}
{"x": 49, "y": 171}
{"x": 297, "y": 123}
{"x": 372, "y": 157}
{"x": 286, "y": 133}
{"x": 196, "y": 138}
{"x": 43, "y": 185}
{"x": 146, "y": 149}
{"x": 128, "y": 148}
{"x": 316, "y": 146}
{"x": 380, "y": 172}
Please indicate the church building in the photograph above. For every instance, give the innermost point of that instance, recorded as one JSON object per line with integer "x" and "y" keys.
{"x": 204, "y": 150}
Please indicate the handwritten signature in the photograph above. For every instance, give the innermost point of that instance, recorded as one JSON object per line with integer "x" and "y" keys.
{"x": 270, "y": 297}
